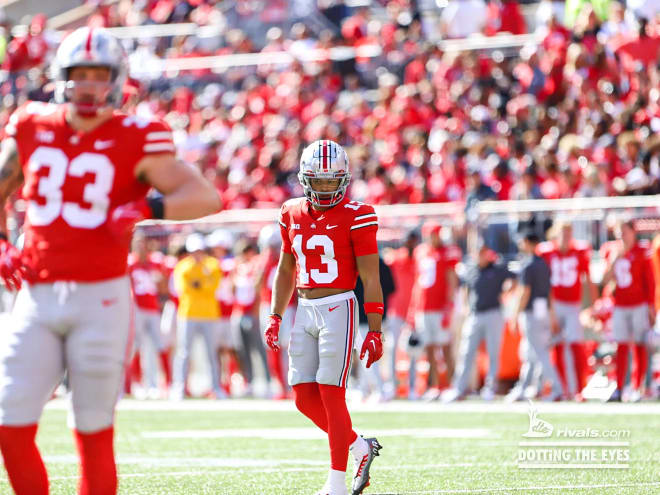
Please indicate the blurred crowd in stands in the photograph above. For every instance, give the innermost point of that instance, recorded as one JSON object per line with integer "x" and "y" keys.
{"x": 575, "y": 115}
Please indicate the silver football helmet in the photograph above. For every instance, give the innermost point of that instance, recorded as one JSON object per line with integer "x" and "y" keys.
{"x": 90, "y": 47}
{"x": 324, "y": 159}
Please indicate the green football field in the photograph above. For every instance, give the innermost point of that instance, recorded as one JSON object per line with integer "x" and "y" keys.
{"x": 267, "y": 448}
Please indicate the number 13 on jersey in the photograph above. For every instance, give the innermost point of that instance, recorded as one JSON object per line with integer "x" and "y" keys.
{"x": 330, "y": 268}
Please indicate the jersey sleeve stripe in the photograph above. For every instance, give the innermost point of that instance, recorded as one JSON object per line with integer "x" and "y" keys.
{"x": 362, "y": 217}
{"x": 363, "y": 225}
{"x": 150, "y": 148}
{"x": 282, "y": 223}
{"x": 159, "y": 136}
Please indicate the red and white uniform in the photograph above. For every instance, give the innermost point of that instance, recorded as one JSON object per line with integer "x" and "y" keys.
{"x": 144, "y": 276}
{"x": 79, "y": 305}
{"x": 403, "y": 272}
{"x": 325, "y": 246}
{"x": 432, "y": 304}
{"x": 566, "y": 269}
{"x": 72, "y": 181}
{"x": 633, "y": 274}
{"x": 634, "y": 292}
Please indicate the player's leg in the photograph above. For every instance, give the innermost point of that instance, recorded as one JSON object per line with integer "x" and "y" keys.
{"x": 31, "y": 366}
{"x": 640, "y": 326}
{"x": 96, "y": 350}
{"x": 528, "y": 358}
{"x": 622, "y": 335}
{"x": 538, "y": 334}
{"x": 185, "y": 335}
{"x": 394, "y": 326}
{"x": 493, "y": 327}
{"x": 303, "y": 365}
{"x": 472, "y": 334}
{"x": 160, "y": 347}
{"x": 335, "y": 350}
{"x": 208, "y": 333}
{"x": 574, "y": 337}
{"x": 558, "y": 349}
{"x": 427, "y": 323}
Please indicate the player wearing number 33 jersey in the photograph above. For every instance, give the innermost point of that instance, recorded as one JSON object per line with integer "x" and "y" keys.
{"x": 84, "y": 169}
{"x": 327, "y": 241}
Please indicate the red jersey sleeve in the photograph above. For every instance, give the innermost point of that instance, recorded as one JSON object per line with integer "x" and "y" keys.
{"x": 363, "y": 231}
{"x": 283, "y": 222}
{"x": 649, "y": 280}
{"x": 454, "y": 256}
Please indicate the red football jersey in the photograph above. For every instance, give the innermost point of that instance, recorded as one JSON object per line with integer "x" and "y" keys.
{"x": 566, "y": 269}
{"x": 72, "y": 180}
{"x": 403, "y": 272}
{"x": 633, "y": 274}
{"x": 431, "y": 266}
{"x": 244, "y": 278}
{"x": 326, "y": 244}
{"x": 143, "y": 275}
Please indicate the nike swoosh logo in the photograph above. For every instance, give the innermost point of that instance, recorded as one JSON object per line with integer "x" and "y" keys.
{"x": 333, "y": 308}
{"x": 101, "y": 145}
{"x": 329, "y": 227}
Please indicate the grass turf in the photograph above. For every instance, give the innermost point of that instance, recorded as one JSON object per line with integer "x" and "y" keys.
{"x": 245, "y": 462}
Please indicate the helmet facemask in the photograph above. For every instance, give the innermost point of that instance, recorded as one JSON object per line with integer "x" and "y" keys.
{"x": 88, "y": 96}
{"x": 324, "y": 159}
{"x": 324, "y": 199}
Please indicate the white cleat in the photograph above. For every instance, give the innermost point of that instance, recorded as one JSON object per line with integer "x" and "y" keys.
{"x": 487, "y": 394}
{"x": 634, "y": 396}
{"x": 362, "y": 466}
{"x": 327, "y": 491}
{"x": 451, "y": 395}
{"x": 431, "y": 394}
{"x": 514, "y": 395}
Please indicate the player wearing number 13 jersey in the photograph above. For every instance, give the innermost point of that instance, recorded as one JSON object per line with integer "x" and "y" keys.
{"x": 85, "y": 169}
{"x": 327, "y": 240}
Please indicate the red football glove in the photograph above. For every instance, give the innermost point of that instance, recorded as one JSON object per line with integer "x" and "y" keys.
{"x": 373, "y": 343}
{"x": 272, "y": 332}
{"x": 11, "y": 267}
{"x": 124, "y": 217}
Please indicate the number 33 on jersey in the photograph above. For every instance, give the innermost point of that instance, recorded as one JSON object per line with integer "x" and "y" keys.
{"x": 72, "y": 181}
{"x": 325, "y": 244}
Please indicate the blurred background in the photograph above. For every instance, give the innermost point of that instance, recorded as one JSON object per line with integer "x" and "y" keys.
{"x": 491, "y": 118}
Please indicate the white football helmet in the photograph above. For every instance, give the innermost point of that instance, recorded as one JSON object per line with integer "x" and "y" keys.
{"x": 324, "y": 159}
{"x": 90, "y": 47}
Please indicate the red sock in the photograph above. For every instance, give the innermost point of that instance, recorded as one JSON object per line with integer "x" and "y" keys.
{"x": 580, "y": 361}
{"x": 97, "y": 462}
{"x": 642, "y": 358}
{"x": 340, "y": 429}
{"x": 621, "y": 364}
{"x": 558, "y": 351}
{"x": 164, "y": 357}
{"x": 275, "y": 367}
{"x": 136, "y": 368}
{"x": 25, "y": 468}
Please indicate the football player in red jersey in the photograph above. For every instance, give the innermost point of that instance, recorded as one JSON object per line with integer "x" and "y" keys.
{"x": 147, "y": 283}
{"x": 568, "y": 260}
{"x": 433, "y": 299}
{"x": 85, "y": 169}
{"x": 629, "y": 270}
{"x": 327, "y": 239}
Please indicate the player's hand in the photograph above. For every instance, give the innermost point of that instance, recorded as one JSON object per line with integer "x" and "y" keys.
{"x": 373, "y": 343}
{"x": 272, "y": 332}
{"x": 123, "y": 218}
{"x": 12, "y": 271}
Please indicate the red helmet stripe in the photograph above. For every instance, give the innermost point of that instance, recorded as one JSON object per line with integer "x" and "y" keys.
{"x": 88, "y": 44}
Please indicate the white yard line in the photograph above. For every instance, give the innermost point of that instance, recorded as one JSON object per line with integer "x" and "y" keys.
{"x": 311, "y": 433}
{"x": 243, "y": 405}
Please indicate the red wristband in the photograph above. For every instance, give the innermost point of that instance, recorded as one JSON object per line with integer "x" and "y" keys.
{"x": 374, "y": 307}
